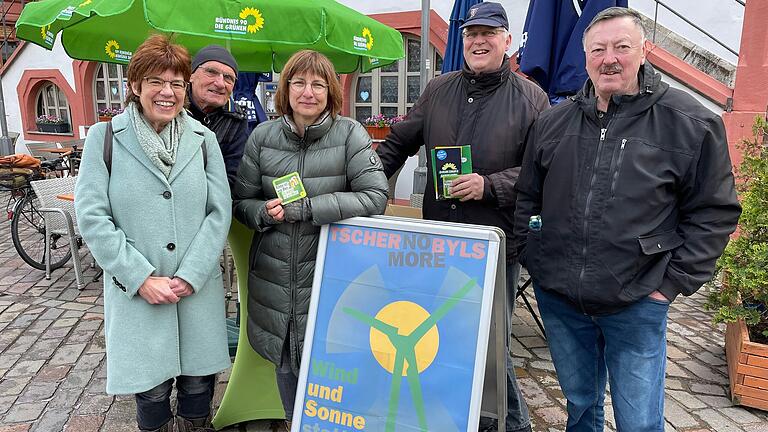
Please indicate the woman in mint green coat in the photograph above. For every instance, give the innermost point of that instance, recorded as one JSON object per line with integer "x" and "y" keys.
{"x": 156, "y": 220}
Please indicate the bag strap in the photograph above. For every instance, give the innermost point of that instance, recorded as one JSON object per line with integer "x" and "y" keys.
{"x": 205, "y": 155}
{"x": 108, "y": 149}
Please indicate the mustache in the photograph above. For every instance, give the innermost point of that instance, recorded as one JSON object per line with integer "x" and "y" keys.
{"x": 611, "y": 68}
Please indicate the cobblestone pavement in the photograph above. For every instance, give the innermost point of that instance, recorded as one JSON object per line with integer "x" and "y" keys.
{"x": 52, "y": 362}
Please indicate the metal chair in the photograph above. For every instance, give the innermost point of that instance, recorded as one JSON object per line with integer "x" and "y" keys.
{"x": 59, "y": 218}
{"x": 72, "y": 159}
{"x": 522, "y": 285}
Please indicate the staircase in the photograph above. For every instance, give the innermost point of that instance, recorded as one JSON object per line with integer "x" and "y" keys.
{"x": 9, "y": 13}
{"x": 695, "y": 55}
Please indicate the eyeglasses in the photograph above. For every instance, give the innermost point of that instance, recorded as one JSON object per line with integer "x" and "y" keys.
{"x": 214, "y": 73}
{"x": 486, "y": 34}
{"x": 299, "y": 85}
{"x": 156, "y": 83}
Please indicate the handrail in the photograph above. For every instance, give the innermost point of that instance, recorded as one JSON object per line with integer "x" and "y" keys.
{"x": 656, "y": 15}
{"x": 7, "y": 33}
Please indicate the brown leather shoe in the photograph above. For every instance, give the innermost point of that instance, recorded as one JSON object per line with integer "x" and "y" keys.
{"x": 281, "y": 426}
{"x": 168, "y": 427}
{"x": 194, "y": 425}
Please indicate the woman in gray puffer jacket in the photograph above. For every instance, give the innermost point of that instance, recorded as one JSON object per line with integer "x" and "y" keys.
{"x": 343, "y": 178}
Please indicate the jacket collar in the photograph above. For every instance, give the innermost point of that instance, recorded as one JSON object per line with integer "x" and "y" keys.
{"x": 230, "y": 108}
{"x": 189, "y": 144}
{"x": 488, "y": 81}
{"x": 651, "y": 90}
{"x": 311, "y": 133}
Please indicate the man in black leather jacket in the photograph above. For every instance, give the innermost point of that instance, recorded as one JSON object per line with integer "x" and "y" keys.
{"x": 214, "y": 72}
{"x": 491, "y": 109}
{"x": 632, "y": 185}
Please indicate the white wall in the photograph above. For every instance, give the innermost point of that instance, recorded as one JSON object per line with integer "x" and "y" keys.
{"x": 704, "y": 101}
{"x": 31, "y": 57}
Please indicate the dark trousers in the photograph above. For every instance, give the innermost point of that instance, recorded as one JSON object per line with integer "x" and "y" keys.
{"x": 517, "y": 411}
{"x": 153, "y": 407}
{"x": 287, "y": 381}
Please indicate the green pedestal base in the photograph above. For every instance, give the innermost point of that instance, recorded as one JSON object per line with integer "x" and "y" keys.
{"x": 251, "y": 393}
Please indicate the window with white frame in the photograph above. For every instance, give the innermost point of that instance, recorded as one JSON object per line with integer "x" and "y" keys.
{"x": 110, "y": 86}
{"x": 392, "y": 90}
{"x": 51, "y": 101}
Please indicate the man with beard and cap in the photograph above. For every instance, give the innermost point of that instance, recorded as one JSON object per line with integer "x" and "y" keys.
{"x": 491, "y": 109}
{"x": 214, "y": 72}
{"x": 626, "y": 200}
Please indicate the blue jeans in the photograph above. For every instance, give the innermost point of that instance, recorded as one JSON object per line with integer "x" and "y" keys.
{"x": 628, "y": 347}
{"x": 153, "y": 407}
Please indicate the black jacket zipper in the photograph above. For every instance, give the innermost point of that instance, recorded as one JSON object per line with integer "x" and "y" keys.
{"x": 294, "y": 268}
{"x": 603, "y": 132}
{"x": 618, "y": 167}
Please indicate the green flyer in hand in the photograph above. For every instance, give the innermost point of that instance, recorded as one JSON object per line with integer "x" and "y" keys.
{"x": 289, "y": 188}
{"x": 449, "y": 162}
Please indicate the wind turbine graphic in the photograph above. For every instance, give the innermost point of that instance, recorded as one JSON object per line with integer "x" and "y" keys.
{"x": 405, "y": 351}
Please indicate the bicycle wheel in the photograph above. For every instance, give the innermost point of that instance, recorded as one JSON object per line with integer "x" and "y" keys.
{"x": 28, "y": 235}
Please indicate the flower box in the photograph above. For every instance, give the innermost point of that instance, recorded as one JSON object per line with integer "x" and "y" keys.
{"x": 377, "y": 132}
{"x": 106, "y": 114}
{"x": 747, "y": 367}
{"x": 53, "y": 127}
{"x": 378, "y": 126}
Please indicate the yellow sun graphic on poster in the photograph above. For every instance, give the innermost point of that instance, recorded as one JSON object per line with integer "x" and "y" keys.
{"x": 110, "y": 48}
{"x": 405, "y": 316}
{"x": 256, "y": 14}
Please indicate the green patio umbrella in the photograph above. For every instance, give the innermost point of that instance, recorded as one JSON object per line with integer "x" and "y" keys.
{"x": 261, "y": 34}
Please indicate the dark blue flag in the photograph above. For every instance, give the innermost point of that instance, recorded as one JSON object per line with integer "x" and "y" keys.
{"x": 551, "y": 51}
{"x": 244, "y": 94}
{"x": 454, "y": 49}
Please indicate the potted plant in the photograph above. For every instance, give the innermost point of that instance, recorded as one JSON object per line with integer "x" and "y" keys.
{"x": 741, "y": 300}
{"x": 51, "y": 123}
{"x": 378, "y": 126}
{"x": 106, "y": 114}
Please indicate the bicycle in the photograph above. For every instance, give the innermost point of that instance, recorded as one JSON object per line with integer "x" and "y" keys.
{"x": 27, "y": 223}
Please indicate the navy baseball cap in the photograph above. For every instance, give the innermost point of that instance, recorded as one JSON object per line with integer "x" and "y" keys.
{"x": 487, "y": 14}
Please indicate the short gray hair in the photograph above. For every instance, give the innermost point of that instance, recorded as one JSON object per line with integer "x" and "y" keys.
{"x": 613, "y": 13}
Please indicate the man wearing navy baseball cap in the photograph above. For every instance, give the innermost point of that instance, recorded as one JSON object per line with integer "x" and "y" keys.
{"x": 490, "y": 109}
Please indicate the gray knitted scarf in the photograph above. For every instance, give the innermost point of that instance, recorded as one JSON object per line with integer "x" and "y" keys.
{"x": 160, "y": 148}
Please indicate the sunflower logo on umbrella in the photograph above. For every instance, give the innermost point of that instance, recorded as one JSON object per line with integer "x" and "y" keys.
{"x": 110, "y": 48}
{"x": 256, "y": 14}
{"x": 368, "y": 37}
